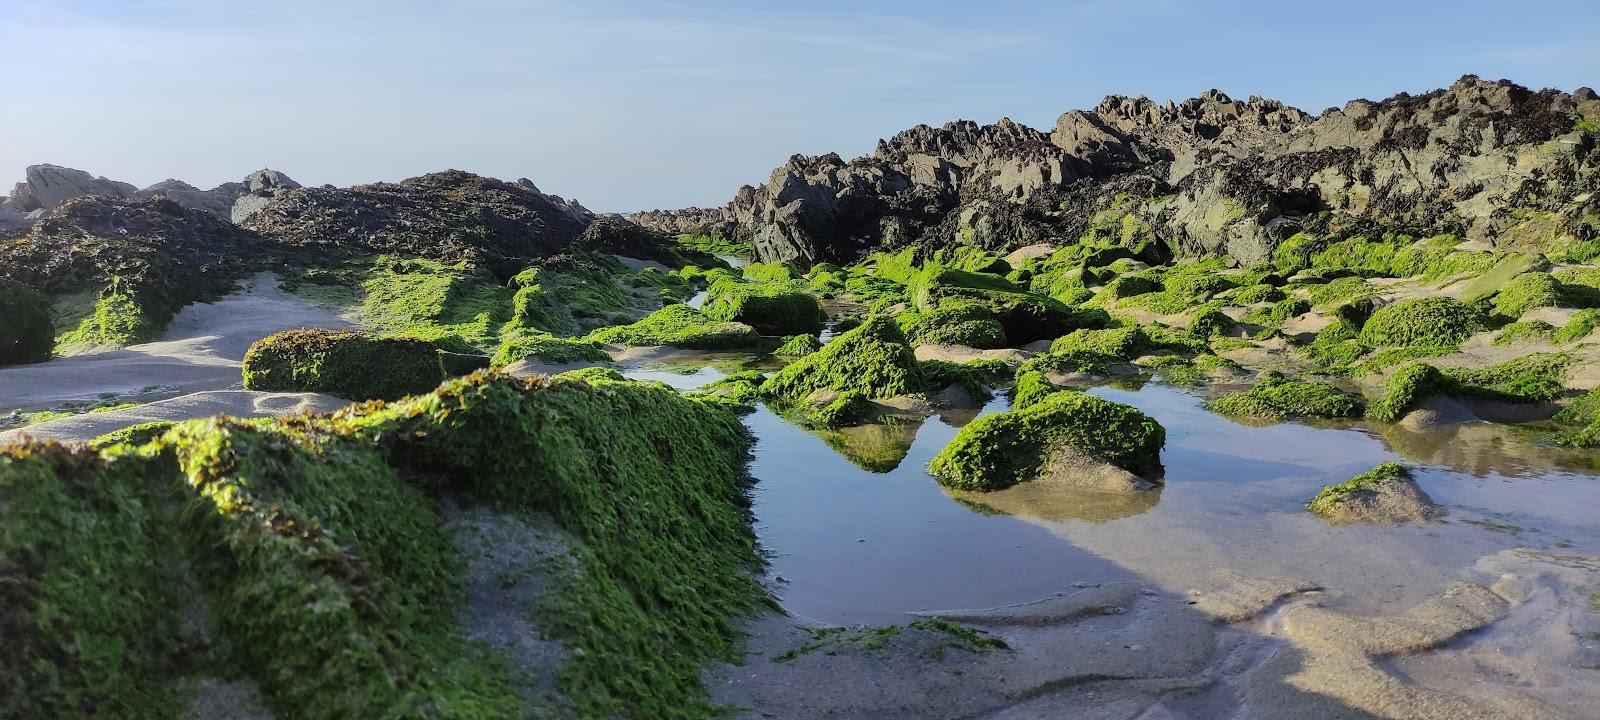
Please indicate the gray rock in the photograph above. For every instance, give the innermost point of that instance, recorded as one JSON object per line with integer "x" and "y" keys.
{"x": 254, "y": 193}
{"x": 217, "y": 202}
{"x": 268, "y": 182}
{"x": 47, "y": 186}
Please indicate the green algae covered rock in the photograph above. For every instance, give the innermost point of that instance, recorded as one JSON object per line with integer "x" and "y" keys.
{"x": 1386, "y": 493}
{"x": 1000, "y": 450}
{"x": 1406, "y": 388}
{"x": 954, "y": 322}
{"x": 970, "y": 379}
{"x": 774, "y": 308}
{"x": 1436, "y": 321}
{"x": 849, "y": 408}
{"x": 89, "y": 587}
{"x": 798, "y": 346}
{"x": 1025, "y": 316}
{"x": 872, "y": 359}
{"x": 26, "y": 335}
{"x": 1526, "y": 292}
{"x": 1032, "y": 386}
{"x": 331, "y": 582}
{"x": 548, "y": 348}
{"x": 1528, "y": 379}
{"x": 354, "y": 365}
{"x": 679, "y": 326}
{"x": 1276, "y": 397}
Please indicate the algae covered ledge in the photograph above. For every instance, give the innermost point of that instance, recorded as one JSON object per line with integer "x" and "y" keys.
{"x": 319, "y": 550}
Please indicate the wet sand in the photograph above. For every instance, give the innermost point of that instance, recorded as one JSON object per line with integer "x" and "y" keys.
{"x": 199, "y": 353}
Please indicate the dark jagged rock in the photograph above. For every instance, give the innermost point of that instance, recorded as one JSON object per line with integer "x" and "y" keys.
{"x": 614, "y": 235}
{"x": 1212, "y": 175}
{"x": 158, "y": 252}
{"x": 447, "y": 216}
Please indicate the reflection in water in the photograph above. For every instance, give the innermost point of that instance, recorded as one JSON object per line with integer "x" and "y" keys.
{"x": 1054, "y": 503}
{"x": 1481, "y": 449}
{"x": 877, "y": 447}
{"x": 854, "y": 546}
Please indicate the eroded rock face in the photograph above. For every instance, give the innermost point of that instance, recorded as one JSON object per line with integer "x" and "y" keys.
{"x": 1486, "y": 160}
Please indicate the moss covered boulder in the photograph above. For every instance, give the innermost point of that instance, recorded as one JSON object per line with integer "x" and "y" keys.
{"x": 1429, "y": 321}
{"x": 679, "y": 326}
{"x": 873, "y": 360}
{"x": 773, "y": 308}
{"x": 1024, "y": 315}
{"x": 548, "y": 348}
{"x": 1384, "y": 494}
{"x": 1277, "y": 397}
{"x": 1064, "y": 436}
{"x": 26, "y": 335}
{"x": 954, "y": 322}
{"x": 354, "y": 365}
{"x": 798, "y": 346}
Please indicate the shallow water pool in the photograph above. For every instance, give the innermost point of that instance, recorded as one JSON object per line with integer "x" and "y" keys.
{"x": 857, "y": 531}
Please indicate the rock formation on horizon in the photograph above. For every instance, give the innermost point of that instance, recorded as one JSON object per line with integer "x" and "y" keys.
{"x": 1486, "y": 160}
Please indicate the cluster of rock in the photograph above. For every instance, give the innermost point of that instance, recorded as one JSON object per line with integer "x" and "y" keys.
{"x": 48, "y": 187}
{"x": 450, "y": 215}
{"x": 160, "y": 248}
{"x": 1208, "y": 175}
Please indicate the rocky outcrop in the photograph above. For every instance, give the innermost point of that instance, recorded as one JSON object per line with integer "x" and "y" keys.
{"x": 155, "y": 251}
{"x": 616, "y": 236}
{"x": 1486, "y": 160}
{"x": 569, "y": 207}
{"x": 451, "y": 215}
{"x": 49, "y": 186}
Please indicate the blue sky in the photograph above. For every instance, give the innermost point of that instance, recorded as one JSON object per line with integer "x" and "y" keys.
{"x": 640, "y": 104}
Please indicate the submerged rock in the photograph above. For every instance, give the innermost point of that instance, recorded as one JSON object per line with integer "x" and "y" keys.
{"x": 1384, "y": 494}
